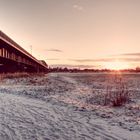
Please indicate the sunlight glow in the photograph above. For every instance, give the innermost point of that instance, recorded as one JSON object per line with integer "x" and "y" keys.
{"x": 116, "y": 65}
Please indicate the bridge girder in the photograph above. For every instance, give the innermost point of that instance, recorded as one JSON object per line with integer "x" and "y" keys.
{"x": 13, "y": 60}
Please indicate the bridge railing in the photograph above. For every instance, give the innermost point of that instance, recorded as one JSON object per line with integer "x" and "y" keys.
{"x": 13, "y": 42}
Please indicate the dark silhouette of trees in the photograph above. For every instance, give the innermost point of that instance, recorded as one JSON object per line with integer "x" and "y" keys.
{"x": 74, "y": 70}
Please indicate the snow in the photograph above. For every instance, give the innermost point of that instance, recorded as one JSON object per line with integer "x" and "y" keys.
{"x": 57, "y": 106}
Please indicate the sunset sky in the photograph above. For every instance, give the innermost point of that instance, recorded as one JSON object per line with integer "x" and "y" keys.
{"x": 83, "y": 33}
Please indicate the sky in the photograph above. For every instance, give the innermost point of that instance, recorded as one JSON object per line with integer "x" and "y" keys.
{"x": 76, "y": 33}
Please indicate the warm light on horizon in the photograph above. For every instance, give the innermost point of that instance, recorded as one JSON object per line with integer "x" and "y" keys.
{"x": 116, "y": 65}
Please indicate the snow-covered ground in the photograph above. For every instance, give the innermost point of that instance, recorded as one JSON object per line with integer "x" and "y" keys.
{"x": 67, "y": 106}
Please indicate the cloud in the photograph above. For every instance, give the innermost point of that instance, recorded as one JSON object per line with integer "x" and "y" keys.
{"x": 131, "y": 54}
{"x": 91, "y": 60}
{"x": 52, "y": 59}
{"x": 55, "y": 50}
{"x": 73, "y": 66}
{"x": 77, "y": 7}
{"x": 128, "y": 54}
{"x": 137, "y": 59}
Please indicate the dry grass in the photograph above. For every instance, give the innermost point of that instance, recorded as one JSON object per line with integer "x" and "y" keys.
{"x": 19, "y": 75}
{"x": 115, "y": 93}
{"x": 13, "y": 75}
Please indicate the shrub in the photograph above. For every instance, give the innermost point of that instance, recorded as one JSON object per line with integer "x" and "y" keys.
{"x": 117, "y": 94}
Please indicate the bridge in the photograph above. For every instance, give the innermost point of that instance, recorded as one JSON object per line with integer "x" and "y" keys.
{"x": 13, "y": 58}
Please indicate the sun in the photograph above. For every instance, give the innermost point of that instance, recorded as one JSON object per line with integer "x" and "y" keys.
{"x": 116, "y": 65}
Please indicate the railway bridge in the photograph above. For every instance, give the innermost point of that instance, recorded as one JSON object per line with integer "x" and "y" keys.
{"x": 13, "y": 58}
